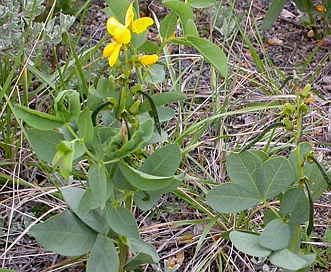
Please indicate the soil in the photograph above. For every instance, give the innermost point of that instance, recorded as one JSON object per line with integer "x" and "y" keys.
{"x": 288, "y": 45}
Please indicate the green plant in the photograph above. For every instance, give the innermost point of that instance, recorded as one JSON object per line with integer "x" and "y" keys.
{"x": 110, "y": 138}
{"x": 283, "y": 188}
{"x": 306, "y": 6}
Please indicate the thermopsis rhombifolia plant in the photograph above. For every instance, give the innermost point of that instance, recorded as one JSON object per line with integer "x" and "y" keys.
{"x": 113, "y": 142}
{"x": 284, "y": 188}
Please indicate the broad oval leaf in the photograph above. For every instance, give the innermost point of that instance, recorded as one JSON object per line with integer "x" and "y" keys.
{"x": 163, "y": 162}
{"x": 248, "y": 244}
{"x": 276, "y": 235}
{"x": 286, "y": 259}
{"x": 168, "y": 25}
{"x": 138, "y": 246}
{"x": 141, "y": 136}
{"x": 65, "y": 234}
{"x": 212, "y": 53}
{"x": 142, "y": 180}
{"x": 37, "y": 119}
{"x": 243, "y": 168}
{"x": 201, "y": 3}
{"x": 44, "y": 143}
{"x": 85, "y": 126}
{"x": 231, "y": 198}
{"x": 185, "y": 14}
{"x": 295, "y": 206}
{"x": 122, "y": 222}
{"x": 117, "y": 9}
{"x": 95, "y": 219}
{"x": 98, "y": 183}
{"x": 161, "y": 99}
{"x": 156, "y": 74}
{"x": 104, "y": 257}
{"x": 275, "y": 176}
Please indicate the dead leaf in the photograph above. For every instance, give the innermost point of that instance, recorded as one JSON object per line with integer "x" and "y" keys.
{"x": 180, "y": 256}
{"x": 287, "y": 14}
{"x": 275, "y": 41}
{"x": 310, "y": 34}
{"x": 187, "y": 238}
{"x": 172, "y": 261}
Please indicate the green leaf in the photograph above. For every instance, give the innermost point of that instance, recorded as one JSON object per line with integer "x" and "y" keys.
{"x": 305, "y": 148}
{"x": 305, "y": 5}
{"x": 117, "y": 9}
{"x": 316, "y": 180}
{"x": 65, "y": 234}
{"x": 156, "y": 74}
{"x": 310, "y": 170}
{"x": 139, "y": 247}
{"x": 142, "y": 180}
{"x": 231, "y": 198}
{"x": 44, "y": 143}
{"x": 161, "y": 99}
{"x": 122, "y": 222}
{"x": 201, "y": 3}
{"x": 243, "y": 168}
{"x": 67, "y": 105}
{"x": 163, "y": 162}
{"x": 295, "y": 206}
{"x": 98, "y": 183}
{"x": 88, "y": 202}
{"x": 120, "y": 182}
{"x": 37, "y": 119}
{"x": 103, "y": 257}
{"x": 145, "y": 200}
{"x": 286, "y": 259}
{"x": 85, "y": 126}
{"x": 185, "y": 14}
{"x": 248, "y": 244}
{"x": 148, "y": 48}
{"x": 141, "y": 136}
{"x": 95, "y": 219}
{"x": 64, "y": 158}
{"x": 273, "y": 12}
{"x": 276, "y": 235}
{"x": 168, "y": 25}
{"x": 275, "y": 176}
{"x": 212, "y": 53}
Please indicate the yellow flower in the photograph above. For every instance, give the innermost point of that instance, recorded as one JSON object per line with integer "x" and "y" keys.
{"x": 138, "y": 26}
{"x": 122, "y": 34}
{"x": 148, "y": 59}
{"x": 112, "y": 52}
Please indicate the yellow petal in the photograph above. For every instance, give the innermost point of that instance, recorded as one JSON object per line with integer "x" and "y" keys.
{"x": 141, "y": 24}
{"x": 114, "y": 55}
{"x": 122, "y": 35}
{"x": 320, "y": 8}
{"x": 109, "y": 49}
{"x": 129, "y": 15}
{"x": 148, "y": 59}
{"x": 112, "y": 24}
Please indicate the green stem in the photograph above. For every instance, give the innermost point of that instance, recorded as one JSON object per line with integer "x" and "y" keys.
{"x": 122, "y": 255}
{"x": 86, "y": 150}
{"x": 295, "y": 239}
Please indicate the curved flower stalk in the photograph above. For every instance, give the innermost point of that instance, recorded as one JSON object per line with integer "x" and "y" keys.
{"x": 122, "y": 33}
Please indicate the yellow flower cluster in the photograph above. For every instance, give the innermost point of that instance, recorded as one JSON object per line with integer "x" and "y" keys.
{"x": 122, "y": 35}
